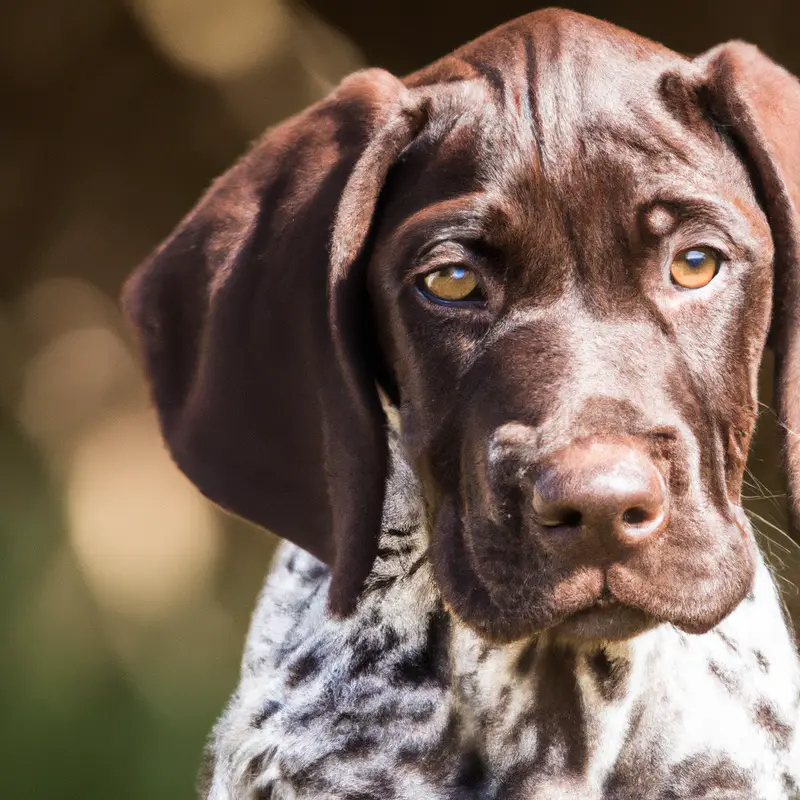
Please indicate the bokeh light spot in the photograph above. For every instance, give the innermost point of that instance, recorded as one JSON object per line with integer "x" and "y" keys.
{"x": 146, "y": 540}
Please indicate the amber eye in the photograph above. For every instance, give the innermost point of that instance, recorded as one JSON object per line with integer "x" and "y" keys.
{"x": 452, "y": 285}
{"x": 695, "y": 267}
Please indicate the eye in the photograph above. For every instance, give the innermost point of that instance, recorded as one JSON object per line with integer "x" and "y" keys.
{"x": 695, "y": 267}
{"x": 455, "y": 284}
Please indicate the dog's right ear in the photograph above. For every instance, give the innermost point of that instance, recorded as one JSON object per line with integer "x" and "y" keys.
{"x": 758, "y": 104}
{"x": 252, "y": 319}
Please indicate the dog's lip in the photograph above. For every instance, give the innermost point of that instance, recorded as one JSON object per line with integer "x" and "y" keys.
{"x": 607, "y": 618}
{"x": 604, "y": 602}
{"x": 608, "y": 601}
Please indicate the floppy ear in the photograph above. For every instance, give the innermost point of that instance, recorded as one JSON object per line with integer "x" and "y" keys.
{"x": 253, "y": 322}
{"x": 758, "y": 102}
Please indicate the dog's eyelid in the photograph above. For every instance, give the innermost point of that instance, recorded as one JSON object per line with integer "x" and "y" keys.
{"x": 713, "y": 234}
{"x": 469, "y": 253}
{"x": 442, "y": 251}
{"x": 450, "y": 247}
{"x": 731, "y": 249}
{"x": 419, "y": 270}
{"x": 708, "y": 222}
{"x": 723, "y": 252}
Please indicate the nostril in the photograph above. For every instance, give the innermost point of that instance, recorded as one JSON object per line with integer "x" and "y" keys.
{"x": 558, "y": 517}
{"x": 636, "y": 516}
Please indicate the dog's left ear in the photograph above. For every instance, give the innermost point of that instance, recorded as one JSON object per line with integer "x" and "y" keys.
{"x": 254, "y": 326}
{"x": 757, "y": 103}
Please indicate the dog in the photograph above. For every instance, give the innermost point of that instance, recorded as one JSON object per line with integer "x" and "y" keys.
{"x": 482, "y": 344}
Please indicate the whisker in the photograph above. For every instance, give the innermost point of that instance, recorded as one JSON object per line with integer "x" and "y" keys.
{"x": 762, "y": 489}
{"x": 773, "y": 526}
{"x": 778, "y": 419}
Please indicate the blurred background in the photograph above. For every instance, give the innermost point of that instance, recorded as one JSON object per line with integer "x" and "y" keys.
{"x": 124, "y": 596}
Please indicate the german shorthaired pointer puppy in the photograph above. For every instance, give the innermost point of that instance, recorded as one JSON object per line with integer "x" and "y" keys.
{"x": 482, "y": 343}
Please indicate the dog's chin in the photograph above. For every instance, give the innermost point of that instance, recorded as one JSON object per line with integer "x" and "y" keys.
{"x": 604, "y": 621}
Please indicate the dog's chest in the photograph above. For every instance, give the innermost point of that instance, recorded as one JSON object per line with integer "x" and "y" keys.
{"x": 410, "y": 705}
{"x": 401, "y": 702}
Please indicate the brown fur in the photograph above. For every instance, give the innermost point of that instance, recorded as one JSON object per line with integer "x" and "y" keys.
{"x": 565, "y": 161}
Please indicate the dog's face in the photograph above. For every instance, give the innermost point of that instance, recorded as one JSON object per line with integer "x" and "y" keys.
{"x": 560, "y": 365}
{"x": 554, "y": 251}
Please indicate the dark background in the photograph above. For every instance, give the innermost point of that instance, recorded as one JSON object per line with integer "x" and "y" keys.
{"x": 124, "y": 597}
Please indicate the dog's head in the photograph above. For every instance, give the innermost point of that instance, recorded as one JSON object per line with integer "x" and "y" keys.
{"x": 555, "y": 251}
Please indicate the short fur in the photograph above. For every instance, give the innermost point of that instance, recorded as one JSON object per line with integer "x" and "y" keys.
{"x": 565, "y": 162}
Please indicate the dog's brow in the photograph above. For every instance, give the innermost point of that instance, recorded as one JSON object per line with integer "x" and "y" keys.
{"x": 724, "y": 215}
{"x": 441, "y": 220}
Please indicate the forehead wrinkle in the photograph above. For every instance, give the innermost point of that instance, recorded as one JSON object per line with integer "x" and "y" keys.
{"x": 509, "y": 129}
{"x": 644, "y": 138}
{"x": 433, "y": 171}
{"x": 509, "y": 114}
{"x": 583, "y": 95}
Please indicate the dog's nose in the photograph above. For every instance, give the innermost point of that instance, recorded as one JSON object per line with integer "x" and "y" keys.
{"x": 605, "y": 488}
